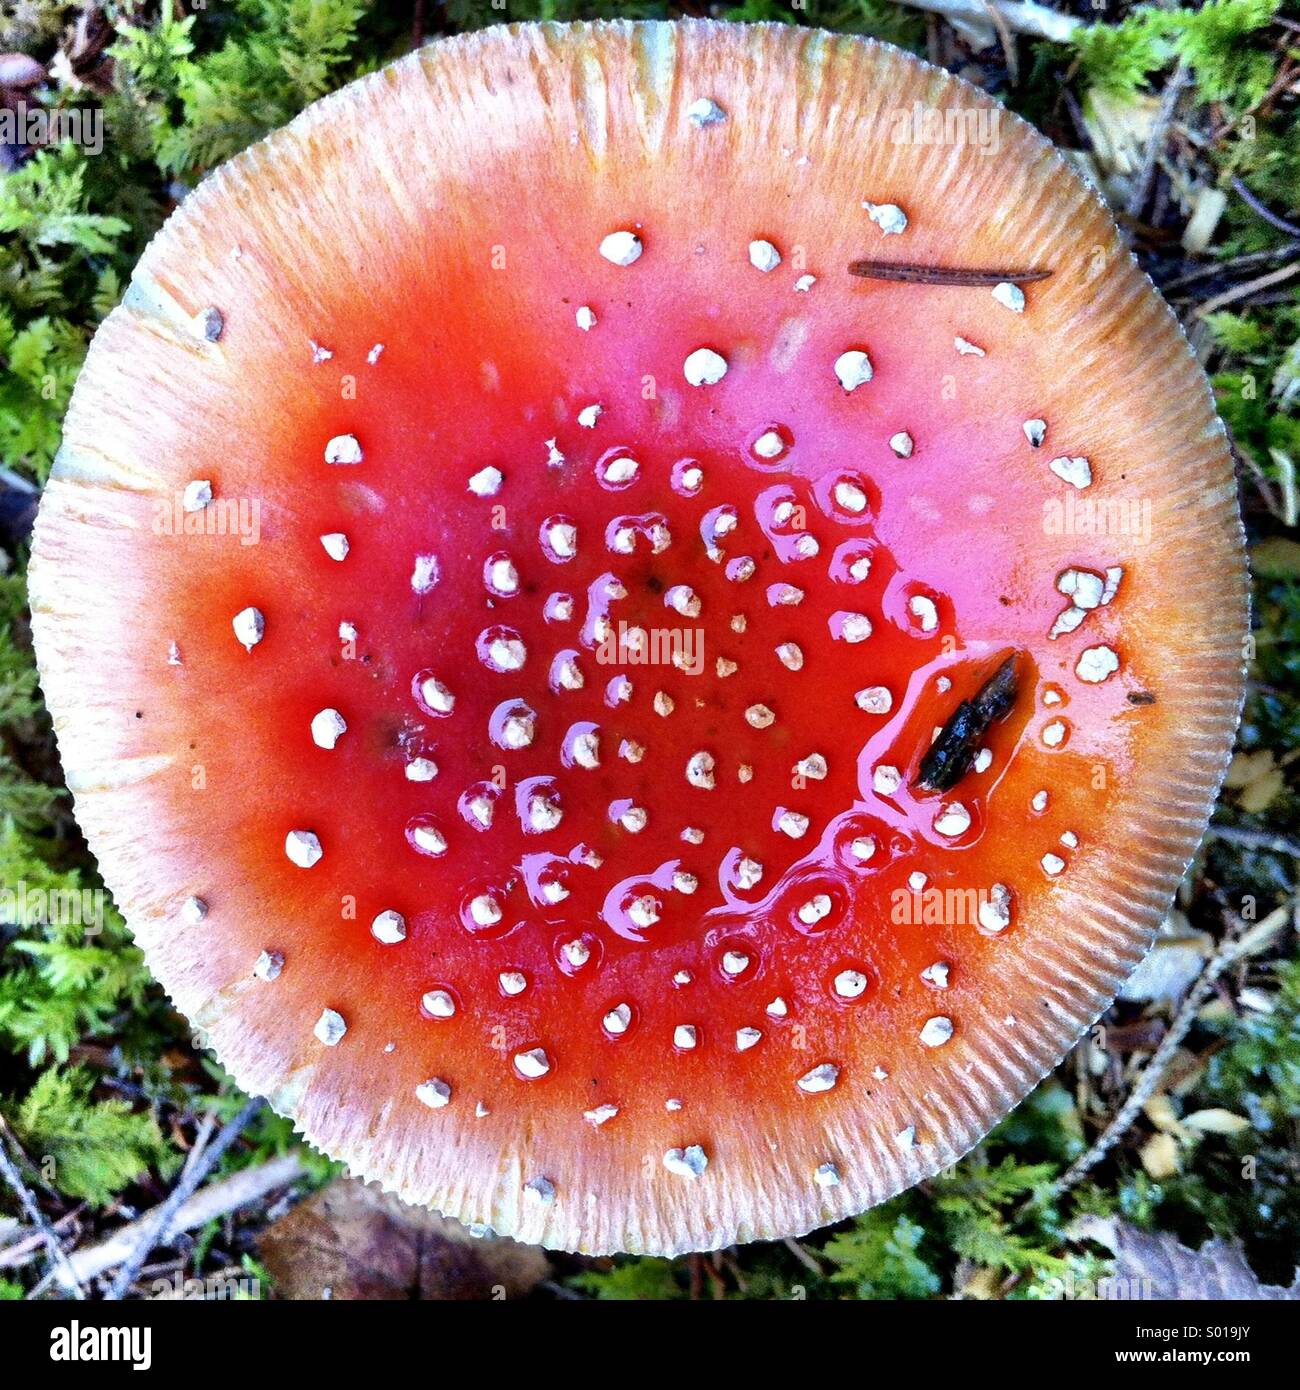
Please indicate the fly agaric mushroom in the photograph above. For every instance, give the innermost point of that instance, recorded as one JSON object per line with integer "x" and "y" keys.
{"x": 699, "y": 733}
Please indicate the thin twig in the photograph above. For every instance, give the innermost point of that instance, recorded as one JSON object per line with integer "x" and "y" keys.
{"x": 211, "y": 1203}
{"x": 206, "y": 1125}
{"x": 1246, "y": 460}
{"x": 1217, "y": 268}
{"x": 803, "y": 1255}
{"x": 26, "y": 1242}
{"x": 1020, "y": 16}
{"x": 58, "y": 1255}
{"x": 1081, "y": 131}
{"x": 1255, "y": 839}
{"x": 1260, "y": 210}
{"x": 191, "y": 1177}
{"x": 1244, "y": 938}
{"x": 1141, "y": 191}
{"x": 1008, "y": 43}
{"x": 1281, "y": 82}
{"x": 1221, "y": 301}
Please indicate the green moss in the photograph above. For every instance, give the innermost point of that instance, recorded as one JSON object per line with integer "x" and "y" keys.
{"x": 69, "y": 971}
{"x": 88, "y": 1149}
{"x": 878, "y": 1257}
{"x": 1261, "y": 1065}
{"x": 203, "y": 101}
{"x": 1217, "y": 42}
{"x": 54, "y": 267}
{"x": 629, "y": 1280}
{"x": 1121, "y": 58}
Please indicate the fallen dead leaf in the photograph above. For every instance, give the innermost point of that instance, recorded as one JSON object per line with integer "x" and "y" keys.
{"x": 1246, "y": 767}
{"x": 1159, "y": 1156}
{"x": 1158, "y": 1266}
{"x": 1257, "y": 796}
{"x": 1120, "y": 127}
{"x": 351, "y": 1241}
{"x": 1159, "y": 1109}
{"x": 1216, "y": 1122}
{"x": 1278, "y": 557}
{"x": 1172, "y": 964}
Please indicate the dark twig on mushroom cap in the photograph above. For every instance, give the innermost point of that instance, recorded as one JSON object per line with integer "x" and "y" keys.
{"x": 952, "y": 753}
{"x": 942, "y": 275}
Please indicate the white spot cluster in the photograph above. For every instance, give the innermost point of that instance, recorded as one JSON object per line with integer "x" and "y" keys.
{"x": 1086, "y": 591}
{"x": 513, "y": 725}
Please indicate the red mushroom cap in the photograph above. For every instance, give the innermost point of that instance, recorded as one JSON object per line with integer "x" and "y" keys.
{"x": 629, "y": 733}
